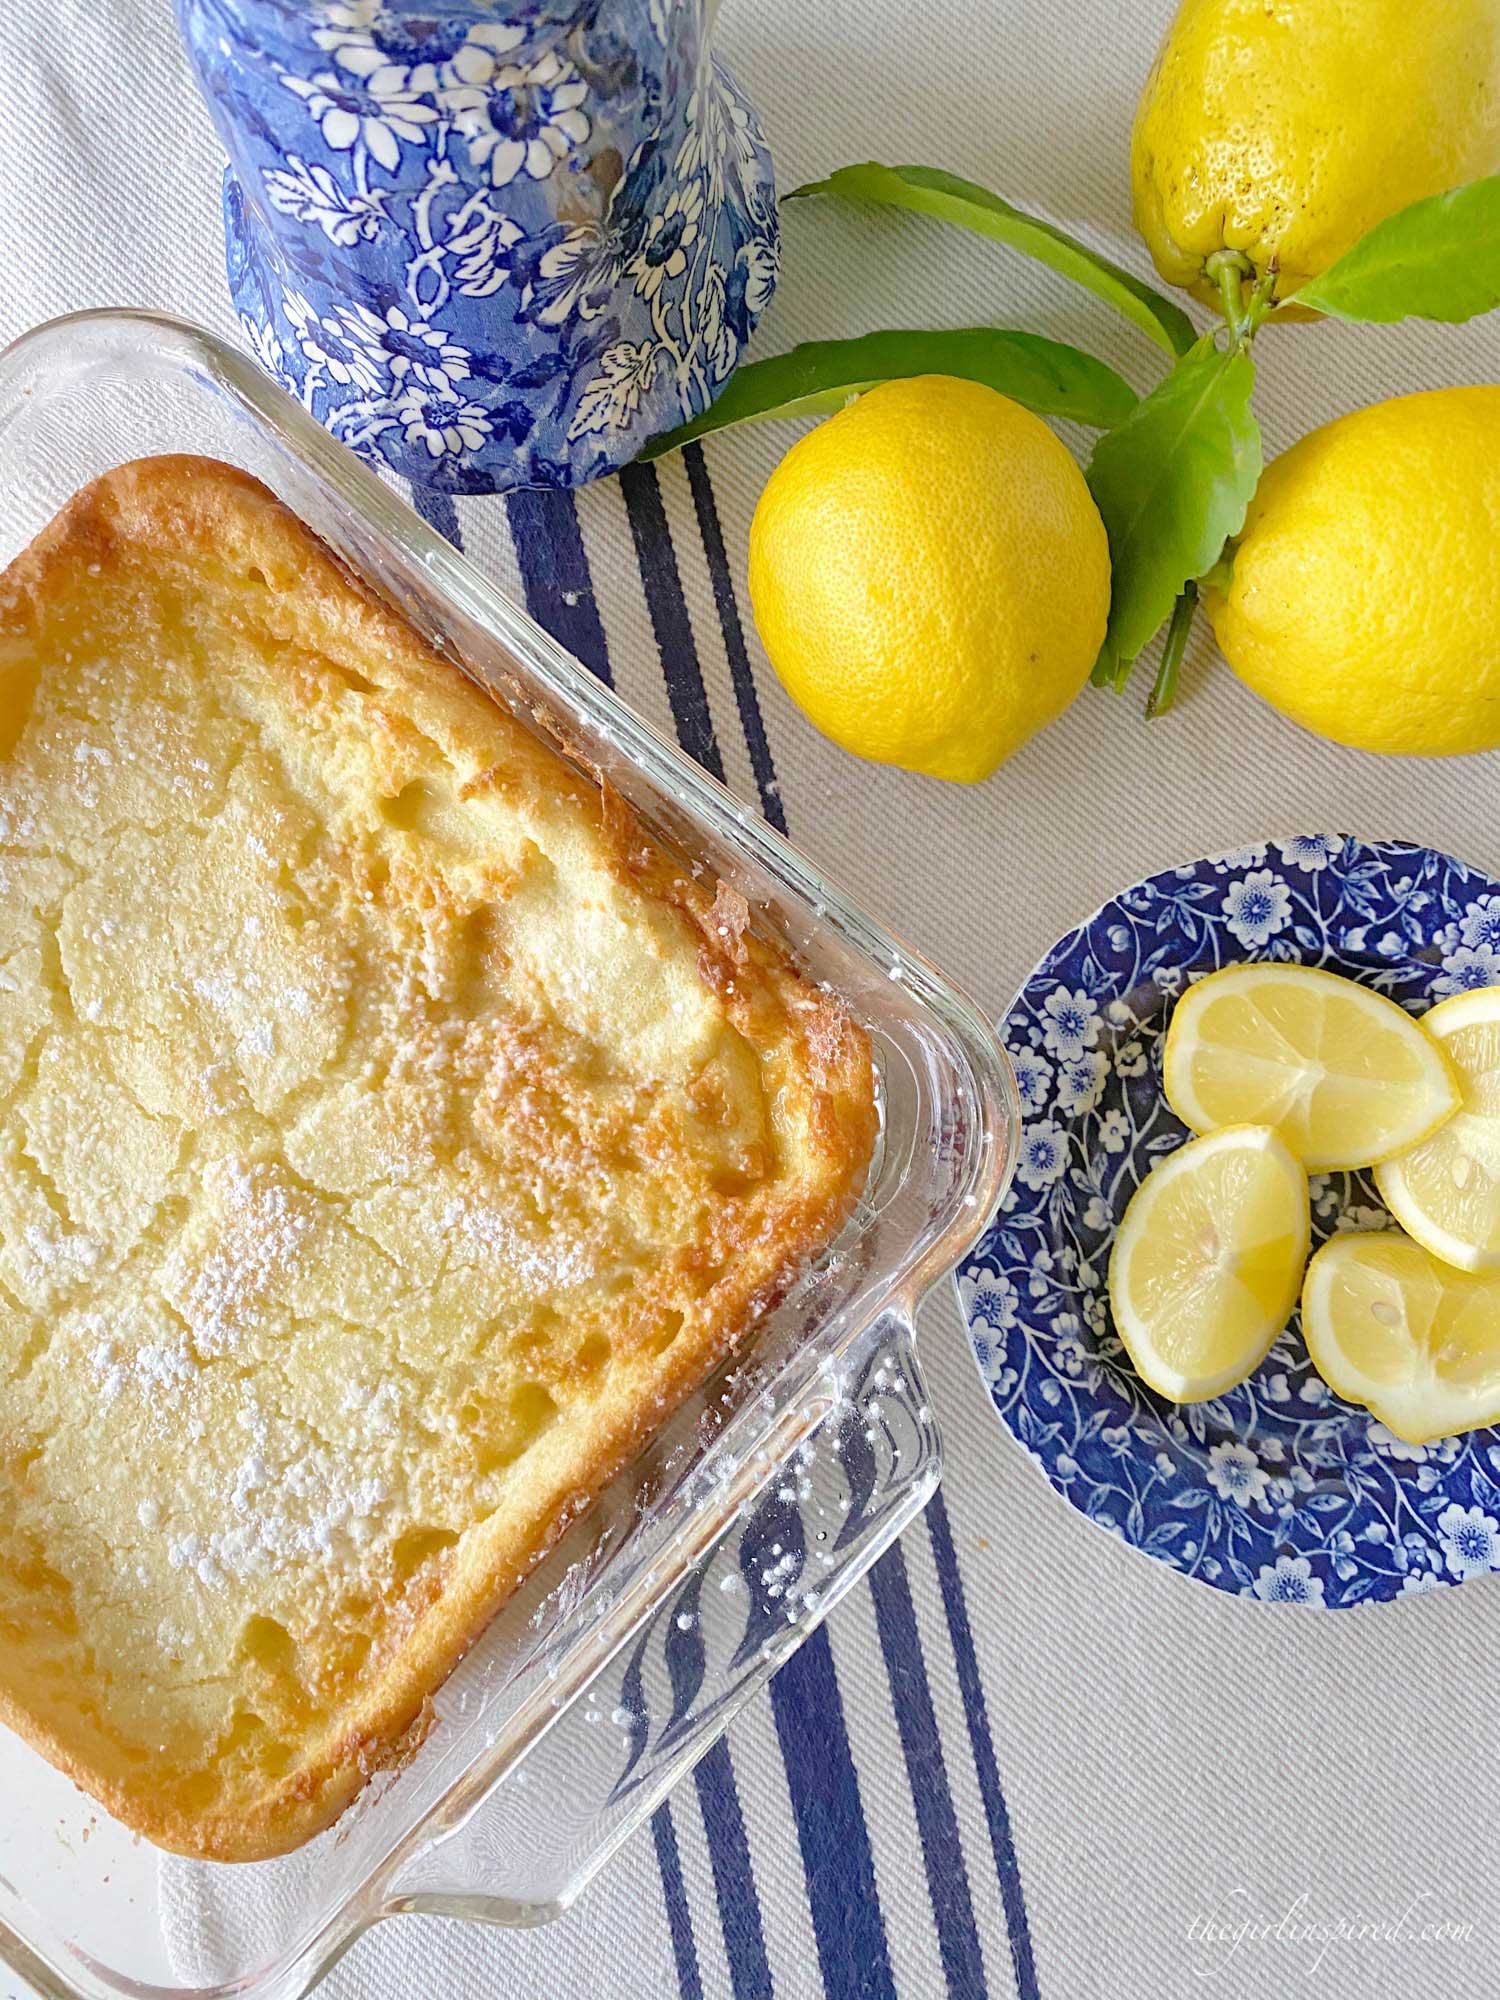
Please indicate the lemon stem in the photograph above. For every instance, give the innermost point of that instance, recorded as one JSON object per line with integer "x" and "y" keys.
{"x": 1228, "y": 270}
{"x": 1164, "y": 693}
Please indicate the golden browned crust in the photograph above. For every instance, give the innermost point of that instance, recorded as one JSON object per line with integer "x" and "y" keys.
{"x": 391, "y": 1136}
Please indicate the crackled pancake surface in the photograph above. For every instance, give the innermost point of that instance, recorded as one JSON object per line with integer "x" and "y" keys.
{"x": 389, "y": 1137}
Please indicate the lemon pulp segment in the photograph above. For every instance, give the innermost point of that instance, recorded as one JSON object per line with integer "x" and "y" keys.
{"x": 1417, "y": 1343}
{"x": 1343, "y": 1074}
{"x": 1446, "y": 1190}
{"x": 1207, "y": 1262}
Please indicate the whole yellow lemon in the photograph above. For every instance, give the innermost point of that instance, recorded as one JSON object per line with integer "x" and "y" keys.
{"x": 1286, "y": 129}
{"x": 930, "y": 576}
{"x": 1364, "y": 599}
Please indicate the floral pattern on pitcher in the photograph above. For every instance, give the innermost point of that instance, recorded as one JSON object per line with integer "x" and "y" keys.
{"x": 1277, "y": 1490}
{"x": 492, "y": 252}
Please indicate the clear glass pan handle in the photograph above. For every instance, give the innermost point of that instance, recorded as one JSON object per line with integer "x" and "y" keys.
{"x": 821, "y": 1515}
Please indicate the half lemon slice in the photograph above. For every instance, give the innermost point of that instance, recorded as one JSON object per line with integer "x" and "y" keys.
{"x": 1446, "y": 1191}
{"x": 1418, "y": 1344}
{"x": 1342, "y": 1073}
{"x": 1207, "y": 1262}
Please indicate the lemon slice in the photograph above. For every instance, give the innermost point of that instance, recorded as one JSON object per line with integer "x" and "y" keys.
{"x": 1446, "y": 1191}
{"x": 1206, "y": 1265}
{"x": 1342, "y": 1073}
{"x": 1417, "y": 1343}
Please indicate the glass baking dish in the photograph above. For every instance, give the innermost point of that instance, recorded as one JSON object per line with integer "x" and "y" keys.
{"x": 769, "y": 1494}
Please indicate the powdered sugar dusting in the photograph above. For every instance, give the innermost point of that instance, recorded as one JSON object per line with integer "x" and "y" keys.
{"x": 264, "y": 1227}
{"x": 292, "y": 1499}
{"x": 160, "y": 1369}
{"x": 555, "y": 1264}
{"x": 63, "y": 1254}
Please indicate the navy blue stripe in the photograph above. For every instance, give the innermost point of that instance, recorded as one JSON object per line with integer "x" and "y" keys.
{"x": 1002, "y": 1842}
{"x": 752, "y": 722}
{"x": 921, "y": 1746}
{"x": 976, "y": 1713}
{"x": 674, "y": 1895}
{"x": 805, "y": 1697}
{"x": 734, "y": 1878}
{"x": 837, "y": 1860}
{"x": 555, "y": 575}
{"x": 669, "y": 616}
{"x": 831, "y": 1830}
{"x": 438, "y": 511}
{"x": 718, "y": 1792}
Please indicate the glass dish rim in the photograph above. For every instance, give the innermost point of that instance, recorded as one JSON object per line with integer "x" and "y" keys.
{"x": 386, "y": 516}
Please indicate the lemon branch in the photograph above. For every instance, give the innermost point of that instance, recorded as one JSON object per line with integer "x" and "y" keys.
{"x": 1164, "y": 691}
{"x": 1262, "y": 298}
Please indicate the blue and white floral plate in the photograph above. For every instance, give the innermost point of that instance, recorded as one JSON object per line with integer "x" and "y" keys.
{"x": 1277, "y": 1490}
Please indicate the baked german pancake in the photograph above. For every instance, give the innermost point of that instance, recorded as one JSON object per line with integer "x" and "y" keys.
{"x": 392, "y": 1134}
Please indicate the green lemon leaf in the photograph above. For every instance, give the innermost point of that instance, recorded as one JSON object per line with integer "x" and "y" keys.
{"x": 1438, "y": 259}
{"x": 930, "y": 191}
{"x": 1172, "y": 483}
{"x": 822, "y": 375}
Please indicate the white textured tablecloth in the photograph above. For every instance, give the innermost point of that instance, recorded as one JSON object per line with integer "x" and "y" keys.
{"x": 1164, "y": 1752}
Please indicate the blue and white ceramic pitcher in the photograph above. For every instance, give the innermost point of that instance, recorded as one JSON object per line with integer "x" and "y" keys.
{"x": 497, "y": 242}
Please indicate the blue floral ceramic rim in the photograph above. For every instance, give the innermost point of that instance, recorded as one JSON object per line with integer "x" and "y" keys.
{"x": 1277, "y": 1490}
